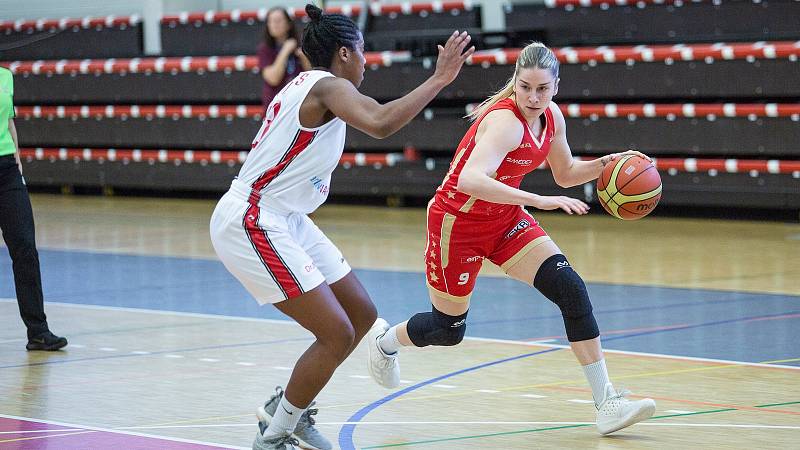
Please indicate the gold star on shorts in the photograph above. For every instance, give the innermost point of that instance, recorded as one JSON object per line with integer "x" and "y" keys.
{"x": 433, "y": 254}
{"x": 433, "y": 265}
{"x": 451, "y": 195}
{"x": 434, "y": 278}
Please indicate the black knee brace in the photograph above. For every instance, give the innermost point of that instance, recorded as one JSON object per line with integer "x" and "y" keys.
{"x": 436, "y": 328}
{"x": 563, "y": 286}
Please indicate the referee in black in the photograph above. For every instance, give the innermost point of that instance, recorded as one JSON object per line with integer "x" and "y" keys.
{"x": 16, "y": 224}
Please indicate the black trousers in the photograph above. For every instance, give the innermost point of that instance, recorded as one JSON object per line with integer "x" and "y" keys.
{"x": 16, "y": 223}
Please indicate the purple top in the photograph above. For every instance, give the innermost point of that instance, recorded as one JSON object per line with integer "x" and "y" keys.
{"x": 266, "y": 57}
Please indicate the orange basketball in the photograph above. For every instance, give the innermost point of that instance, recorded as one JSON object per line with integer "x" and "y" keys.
{"x": 629, "y": 187}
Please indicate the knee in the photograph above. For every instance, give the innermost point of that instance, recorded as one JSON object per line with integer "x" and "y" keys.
{"x": 21, "y": 247}
{"x": 557, "y": 281}
{"x": 366, "y": 318}
{"x": 437, "y": 328}
{"x": 340, "y": 338}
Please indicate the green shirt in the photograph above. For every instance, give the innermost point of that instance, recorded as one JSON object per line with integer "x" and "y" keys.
{"x": 6, "y": 111}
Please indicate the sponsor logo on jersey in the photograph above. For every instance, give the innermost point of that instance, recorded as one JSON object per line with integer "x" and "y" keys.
{"x": 525, "y": 145}
{"x": 521, "y": 225}
{"x": 321, "y": 187}
{"x": 472, "y": 259}
{"x": 520, "y": 162}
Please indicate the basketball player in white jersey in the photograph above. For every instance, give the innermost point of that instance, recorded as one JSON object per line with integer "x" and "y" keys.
{"x": 260, "y": 228}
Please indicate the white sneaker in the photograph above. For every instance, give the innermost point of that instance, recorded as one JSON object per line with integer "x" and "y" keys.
{"x": 617, "y": 412}
{"x": 384, "y": 369}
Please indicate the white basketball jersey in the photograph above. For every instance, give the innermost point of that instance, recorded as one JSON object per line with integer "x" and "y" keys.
{"x": 289, "y": 166}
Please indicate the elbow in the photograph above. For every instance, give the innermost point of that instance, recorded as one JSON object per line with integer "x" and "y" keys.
{"x": 465, "y": 184}
{"x": 563, "y": 181}
{"x": 270, "y": 78}
{"x": 381, "y": 130}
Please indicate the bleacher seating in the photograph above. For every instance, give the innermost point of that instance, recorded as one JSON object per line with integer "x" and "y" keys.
{"x": 419, "y": 28}
{"x": 596, "y": 22}
{"x": 721, "y": 118}
{"x": 121, "y": 37}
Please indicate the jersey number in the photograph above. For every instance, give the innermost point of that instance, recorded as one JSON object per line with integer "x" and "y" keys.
{"x": 272, "y": 112}
{"x": 463, "y": 278}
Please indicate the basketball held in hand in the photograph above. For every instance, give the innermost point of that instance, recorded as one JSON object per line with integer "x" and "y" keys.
{"x": 629, "y": 187}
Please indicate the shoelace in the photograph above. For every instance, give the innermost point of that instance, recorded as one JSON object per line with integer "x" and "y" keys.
{"x": 386, "y": 363}
{"x": 286, "y": 440}
{"x": 290, "y": 440}
{"x": 618, "y": 395}
{"x": 310, "y": 412}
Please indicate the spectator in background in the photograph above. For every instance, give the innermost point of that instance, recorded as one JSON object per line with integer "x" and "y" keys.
{"x": 279, "y": 55}
{"x": 16, "y": 223}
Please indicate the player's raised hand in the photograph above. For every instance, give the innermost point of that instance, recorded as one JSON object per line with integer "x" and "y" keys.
{"x": 452, "y": 56}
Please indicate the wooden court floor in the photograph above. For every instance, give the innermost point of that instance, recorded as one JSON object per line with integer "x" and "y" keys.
{"x": 166, "y": 351}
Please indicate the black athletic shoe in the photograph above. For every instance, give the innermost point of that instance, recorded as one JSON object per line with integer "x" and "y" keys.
{"x": 46, "y": 341}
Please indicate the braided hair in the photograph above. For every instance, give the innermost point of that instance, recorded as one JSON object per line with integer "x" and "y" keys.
{"x": 326, "y": 34}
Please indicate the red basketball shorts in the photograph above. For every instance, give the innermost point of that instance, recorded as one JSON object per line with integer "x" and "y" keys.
{"x": 458, "y": 244}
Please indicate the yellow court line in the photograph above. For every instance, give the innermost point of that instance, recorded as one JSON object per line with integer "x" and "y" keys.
{"x": 46, "y": 437}
{"x": 780, "y": 361}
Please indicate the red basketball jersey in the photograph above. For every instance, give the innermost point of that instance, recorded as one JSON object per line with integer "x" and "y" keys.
{"x": 529, "y": 155}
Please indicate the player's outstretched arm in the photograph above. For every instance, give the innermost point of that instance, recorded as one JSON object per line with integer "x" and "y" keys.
{"x": 380, "y": 121}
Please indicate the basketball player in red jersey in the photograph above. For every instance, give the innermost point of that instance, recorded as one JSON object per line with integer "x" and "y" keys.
{"x": 478, "y": 213}
{"x": 260, "y": 228}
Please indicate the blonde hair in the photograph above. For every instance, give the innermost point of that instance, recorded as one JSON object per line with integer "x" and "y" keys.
{"x": 534, "y": 56}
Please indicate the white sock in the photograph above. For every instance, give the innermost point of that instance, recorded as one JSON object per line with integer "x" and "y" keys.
{"x": 597, "y": 375}
{"x": 285, "y": 419}
{"x": 389, "y": 342}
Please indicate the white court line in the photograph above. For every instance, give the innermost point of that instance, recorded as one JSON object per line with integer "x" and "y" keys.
{"x": 647, "y": 423}
{"x": 625, "y": 352}
{"x": 112, "y": 430}
{"x": 479, "y": 339}
{"x": 41, "y": 431}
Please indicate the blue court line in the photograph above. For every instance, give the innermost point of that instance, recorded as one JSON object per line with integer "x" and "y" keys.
{"x": 699, "y": 303}
{"x": 161, "y": 352}
{"x": 346, "y": 432}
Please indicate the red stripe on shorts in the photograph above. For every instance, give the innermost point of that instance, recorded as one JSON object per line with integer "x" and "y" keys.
{"x": 273, "y": 262}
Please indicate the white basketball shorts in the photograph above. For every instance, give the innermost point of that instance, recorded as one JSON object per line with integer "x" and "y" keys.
{"x": 275, "y": 256}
